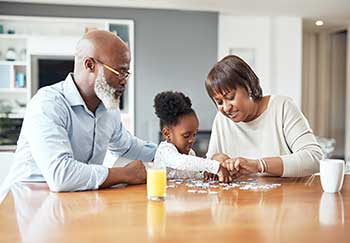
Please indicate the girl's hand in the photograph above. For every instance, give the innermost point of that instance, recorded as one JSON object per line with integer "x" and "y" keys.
{"x": 210, "y": 176}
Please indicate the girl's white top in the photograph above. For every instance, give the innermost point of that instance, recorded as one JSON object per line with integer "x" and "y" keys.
{"x": 182, "y": 165}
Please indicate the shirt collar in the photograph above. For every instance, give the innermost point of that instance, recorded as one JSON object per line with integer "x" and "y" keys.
{"x": 72, "y": 94}
{"x": 71, "y": 91}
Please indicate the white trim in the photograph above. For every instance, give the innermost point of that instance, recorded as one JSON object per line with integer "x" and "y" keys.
{"x": 13, "y": 90}
{"x": 13, "y": 63}
{"x": 13, "y": 36}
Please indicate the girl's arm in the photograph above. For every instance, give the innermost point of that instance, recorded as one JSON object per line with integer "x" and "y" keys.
{"x": 172, "y": 158}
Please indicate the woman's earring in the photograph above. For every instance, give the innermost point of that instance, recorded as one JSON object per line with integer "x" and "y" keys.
{"x": 250, "y": 94}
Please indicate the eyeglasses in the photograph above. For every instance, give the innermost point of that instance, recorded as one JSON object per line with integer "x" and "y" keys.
{"x": 120, "y": 75}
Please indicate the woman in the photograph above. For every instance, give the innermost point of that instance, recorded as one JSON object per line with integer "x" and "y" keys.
{"x": 266, "y": 134}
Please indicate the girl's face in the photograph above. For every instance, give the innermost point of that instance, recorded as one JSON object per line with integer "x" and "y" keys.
{"x": 183, "y": 134}
{"x": 235, "y": 104}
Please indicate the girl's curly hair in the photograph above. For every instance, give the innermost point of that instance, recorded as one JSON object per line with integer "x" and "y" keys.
{"x": 169, "y": 106}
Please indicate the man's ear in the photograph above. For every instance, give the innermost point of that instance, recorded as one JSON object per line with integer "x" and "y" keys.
{"x": 89, "y": 64}
{"x": 166, "y": 133}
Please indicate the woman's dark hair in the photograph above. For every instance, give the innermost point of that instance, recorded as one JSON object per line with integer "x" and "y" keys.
{"x": 169, "y": 106}
{"x": 231, "y": 72}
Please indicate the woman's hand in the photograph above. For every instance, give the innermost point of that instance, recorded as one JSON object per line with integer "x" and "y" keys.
{"x": 224, "y": 175}
{"x": 243, "y": 166}
{"x": 220, "y": 157}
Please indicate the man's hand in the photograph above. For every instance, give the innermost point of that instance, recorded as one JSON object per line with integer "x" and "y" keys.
{"x": 135, "y": 172}
{"x": 132, "y": 173}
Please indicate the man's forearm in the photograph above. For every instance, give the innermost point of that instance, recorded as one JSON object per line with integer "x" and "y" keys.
{"x": 132, "y": 173}
{"x": 115, "y": 176}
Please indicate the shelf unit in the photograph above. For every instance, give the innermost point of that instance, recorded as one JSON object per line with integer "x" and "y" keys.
{"x": 13, "y": 73}
{"x": 52, "y": 38}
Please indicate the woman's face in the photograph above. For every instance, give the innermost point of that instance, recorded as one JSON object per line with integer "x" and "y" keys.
{"x": 183, "y": 134}
{"x": 235, "y": 104}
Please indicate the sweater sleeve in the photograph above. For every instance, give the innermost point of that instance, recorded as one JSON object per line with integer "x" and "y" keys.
{"x": 306, "y": 152}
{"x": 170, "y": 157}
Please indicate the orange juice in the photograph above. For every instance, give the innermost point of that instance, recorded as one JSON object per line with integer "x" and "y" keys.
{"x": 156, "y": 184}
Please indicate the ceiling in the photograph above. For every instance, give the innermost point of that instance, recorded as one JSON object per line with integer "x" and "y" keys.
{"x": 302, "y": 8}
{"x": 331, "y": 11}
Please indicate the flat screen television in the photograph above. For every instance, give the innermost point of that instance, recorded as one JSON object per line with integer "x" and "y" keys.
{"x": 51, "y": 71}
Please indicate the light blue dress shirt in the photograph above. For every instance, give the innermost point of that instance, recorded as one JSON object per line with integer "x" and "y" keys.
{"x": 64, "y": 143}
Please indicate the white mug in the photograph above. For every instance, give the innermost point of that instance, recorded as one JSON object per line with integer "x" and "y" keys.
{"x": 332, "y": 174}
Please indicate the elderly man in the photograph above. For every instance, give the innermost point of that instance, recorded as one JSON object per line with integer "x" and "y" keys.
{"x": 69, "y": 126}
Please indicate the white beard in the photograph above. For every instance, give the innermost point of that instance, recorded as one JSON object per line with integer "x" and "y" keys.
{"x": 105, "y": 92}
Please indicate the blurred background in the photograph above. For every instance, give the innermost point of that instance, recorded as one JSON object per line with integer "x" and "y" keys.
{"x": 298, "y": 48}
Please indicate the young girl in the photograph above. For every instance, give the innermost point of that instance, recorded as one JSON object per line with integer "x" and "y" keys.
{"x": 179, "y": 125}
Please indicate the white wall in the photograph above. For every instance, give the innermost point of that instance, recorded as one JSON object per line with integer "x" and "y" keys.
{"x": 277, "y": 42}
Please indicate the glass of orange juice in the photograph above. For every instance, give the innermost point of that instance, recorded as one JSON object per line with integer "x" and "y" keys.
{"x": 156, "y": 183}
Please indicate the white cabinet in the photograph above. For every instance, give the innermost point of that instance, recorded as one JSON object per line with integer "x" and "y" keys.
{"x": 36, "y": 39}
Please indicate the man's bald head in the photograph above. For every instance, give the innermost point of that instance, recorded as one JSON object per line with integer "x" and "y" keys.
{"x": 94, "y": 80}
{"x": 100, "y": 43}
{"x": 103, "y": 46}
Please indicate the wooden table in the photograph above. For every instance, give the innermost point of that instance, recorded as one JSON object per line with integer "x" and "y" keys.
{"x": 297, "y": 211}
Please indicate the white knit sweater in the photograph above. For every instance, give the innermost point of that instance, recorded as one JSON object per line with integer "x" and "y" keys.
{"x": 281, "y": 130}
